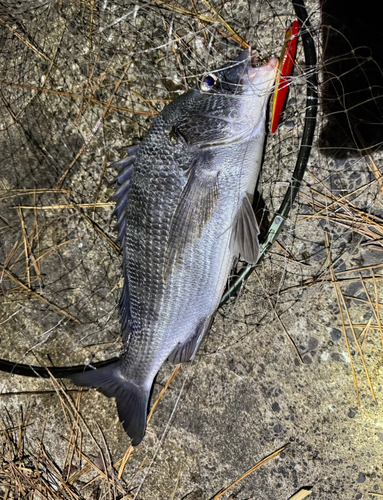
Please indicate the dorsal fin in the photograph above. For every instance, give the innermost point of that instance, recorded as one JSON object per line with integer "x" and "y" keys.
{"x": 125, "y": 316}
{"x": 121, "y": 196}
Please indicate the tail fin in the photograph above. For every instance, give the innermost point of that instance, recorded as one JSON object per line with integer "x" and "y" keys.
{"x": 132, "y": 400}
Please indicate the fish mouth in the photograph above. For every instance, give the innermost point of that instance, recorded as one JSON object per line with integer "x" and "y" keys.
{"x": 254, "y": 61}
{"x": 257, "y": 68}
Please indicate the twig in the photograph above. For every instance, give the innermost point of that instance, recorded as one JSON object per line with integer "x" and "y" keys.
{"x": 99, "y": 230}
{"x": 301, "y": 494}
{"x": 95, "y": 128}
{"x": 52, "y": 249}
{"x": 67, "y": 205}
{"x": 338, "y": 293}
{"x": 129, "y": 451}
{"x": 229, "y": 29}
{"x": 377, "y": 306}
{"x": 358, "y": 347}
{"x": 26, "y": 42}
{"x": 95, "y": 204}
{"x": 8, "y": 259}
{"x": 34, "y": 393}
{"x": 40, "y": 297}
{"x": 73, "y": 95}
{"x": 248, "y": 472}
{"x": 27, "y": 248}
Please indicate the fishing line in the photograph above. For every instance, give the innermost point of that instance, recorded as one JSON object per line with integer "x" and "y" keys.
{"x": 163, "y": 435}
{"x": 304, "y": 151}
{"x": 277, "y": 221}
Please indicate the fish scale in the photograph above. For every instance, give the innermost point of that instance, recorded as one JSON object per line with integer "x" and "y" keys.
{"x": 145, "y": 276}
{"x": 187, "y": 216}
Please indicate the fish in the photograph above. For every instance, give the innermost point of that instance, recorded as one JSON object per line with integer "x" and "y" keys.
{"x": 184, "y": 213}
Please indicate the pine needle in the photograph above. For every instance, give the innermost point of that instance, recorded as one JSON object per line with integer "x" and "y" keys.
{"x": 248, "y": 472}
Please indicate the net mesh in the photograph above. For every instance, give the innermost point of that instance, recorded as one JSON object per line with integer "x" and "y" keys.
{"x": 82, "y": 79}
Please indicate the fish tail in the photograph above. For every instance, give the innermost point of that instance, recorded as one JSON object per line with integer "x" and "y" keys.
{"x": 132, "y": 399}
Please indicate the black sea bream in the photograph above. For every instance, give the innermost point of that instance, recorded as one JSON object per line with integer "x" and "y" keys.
{"x": 184, "y": 213}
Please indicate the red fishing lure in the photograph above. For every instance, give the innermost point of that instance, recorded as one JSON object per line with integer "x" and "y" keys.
{"x": 286, "y": 64}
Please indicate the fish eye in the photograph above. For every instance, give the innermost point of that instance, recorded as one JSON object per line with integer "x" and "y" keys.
{"x": 208, "y": 82}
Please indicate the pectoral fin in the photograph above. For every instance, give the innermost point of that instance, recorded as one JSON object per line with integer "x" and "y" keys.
{"x": 245, "y": 231}
{"x": 195, "y": 207}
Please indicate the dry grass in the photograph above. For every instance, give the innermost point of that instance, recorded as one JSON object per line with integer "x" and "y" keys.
{"x": 27, "y": 469}
{"x": 341, "y": 211}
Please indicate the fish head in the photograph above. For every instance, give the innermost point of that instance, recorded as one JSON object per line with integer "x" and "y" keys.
{"x": 227, "y": 106}
{"x": 245, "y": 75}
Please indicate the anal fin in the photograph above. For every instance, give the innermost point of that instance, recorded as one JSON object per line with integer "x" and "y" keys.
{"x": 187, "y": 350}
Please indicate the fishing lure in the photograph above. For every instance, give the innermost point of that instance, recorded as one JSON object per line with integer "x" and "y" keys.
{"x": 286, "y": 64}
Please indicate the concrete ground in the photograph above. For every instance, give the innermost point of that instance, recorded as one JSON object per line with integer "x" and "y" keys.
{"x": 249, "y": 391}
